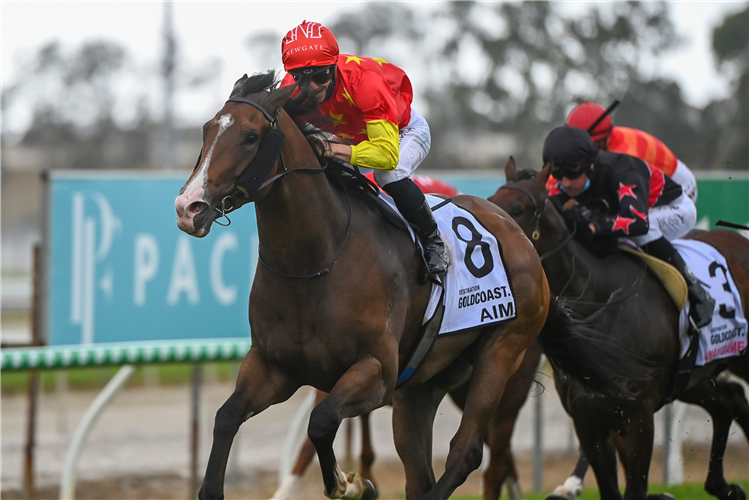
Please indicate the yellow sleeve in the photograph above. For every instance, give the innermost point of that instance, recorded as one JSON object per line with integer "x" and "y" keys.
{"x": 381, "y": 151}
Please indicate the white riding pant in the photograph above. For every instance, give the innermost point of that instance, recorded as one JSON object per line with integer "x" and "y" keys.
{"x": 685, "y": 178}
{"x": 670, "y": 221}
{"x": 414, "y": 143}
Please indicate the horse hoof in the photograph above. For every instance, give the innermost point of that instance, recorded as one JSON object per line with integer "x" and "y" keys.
{"x": 661, "y": 496}
{"x": 735, "y": 492}
{"x": 370, "y": 492}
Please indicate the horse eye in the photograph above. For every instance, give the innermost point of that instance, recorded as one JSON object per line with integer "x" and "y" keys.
{"x": 251, "y": 139}
{"x": 515, "y": 212}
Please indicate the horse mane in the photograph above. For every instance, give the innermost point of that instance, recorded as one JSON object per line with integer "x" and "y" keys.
{"x": 260, "y": 82}
{"x": 297, "y": 108}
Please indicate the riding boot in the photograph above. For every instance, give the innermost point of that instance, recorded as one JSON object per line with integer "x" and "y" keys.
{"x": 411, "y": 203}
{"x": 434, "y": 248}
{"x": 702, "y": 305}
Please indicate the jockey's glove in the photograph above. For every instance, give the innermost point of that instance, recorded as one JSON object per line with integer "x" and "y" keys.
{"x": 578, "y": 217}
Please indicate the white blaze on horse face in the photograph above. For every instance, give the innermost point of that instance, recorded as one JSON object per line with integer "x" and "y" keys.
{"x": 195, "y": 190}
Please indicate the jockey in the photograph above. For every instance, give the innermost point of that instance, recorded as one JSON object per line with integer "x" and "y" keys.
{"x": 633, "y": 142}
{"x": 368, "y": 102}
{"x": 641, "y": 203}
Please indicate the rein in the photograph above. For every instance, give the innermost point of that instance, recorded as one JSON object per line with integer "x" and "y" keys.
{"x": 327, "y": 269}
{"x": 538, "y": 212}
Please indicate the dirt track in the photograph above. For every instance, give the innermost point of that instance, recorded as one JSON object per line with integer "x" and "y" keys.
{"x": 140, "y": 446}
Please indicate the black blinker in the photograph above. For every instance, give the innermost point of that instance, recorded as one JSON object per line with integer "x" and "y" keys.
{"x": 254, "y": 175}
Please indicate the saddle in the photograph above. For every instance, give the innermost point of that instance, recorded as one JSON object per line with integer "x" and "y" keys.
{"x": 670, "y": 277}
{"x": 352, "y": 179}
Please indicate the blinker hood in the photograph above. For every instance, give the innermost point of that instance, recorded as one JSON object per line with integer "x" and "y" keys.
{"x": 268, "y": 152}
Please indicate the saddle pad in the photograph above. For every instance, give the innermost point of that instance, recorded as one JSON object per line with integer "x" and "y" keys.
{"x": 726, "y": 335}
{"x": 477, "y": 291}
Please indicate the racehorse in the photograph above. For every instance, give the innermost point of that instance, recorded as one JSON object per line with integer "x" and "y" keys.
{"x": 643, "y": 318}
{"x": 501, "y": 466}
{"x": 337, "y": 301}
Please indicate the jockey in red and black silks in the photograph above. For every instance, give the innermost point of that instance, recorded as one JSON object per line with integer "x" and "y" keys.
{"x": 366, "y": 104}
{"x": 640, "y": 203}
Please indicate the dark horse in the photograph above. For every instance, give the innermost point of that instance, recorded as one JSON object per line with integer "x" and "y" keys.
{"x": 645, "y": 319}
{"x": 337, "y": 302}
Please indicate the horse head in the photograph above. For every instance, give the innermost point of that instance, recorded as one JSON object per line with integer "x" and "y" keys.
{"x": 242, "y": 145}
{"x": 525, "y": 199}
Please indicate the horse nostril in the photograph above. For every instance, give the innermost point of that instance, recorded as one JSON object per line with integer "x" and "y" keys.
{"x": 196, "y": 207}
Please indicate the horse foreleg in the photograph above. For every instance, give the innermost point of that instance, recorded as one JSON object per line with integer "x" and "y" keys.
{"x": 719, "y": 398}
{"x": 573, "y": 485}
{"x": 360, "y": 390}
{"x": 258, "y": 386}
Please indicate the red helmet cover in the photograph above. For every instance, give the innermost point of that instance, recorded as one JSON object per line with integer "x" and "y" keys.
{"x": 309, "y": 44}
{"x": 585, "y": 114}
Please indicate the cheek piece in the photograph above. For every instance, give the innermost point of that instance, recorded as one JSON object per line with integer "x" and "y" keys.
{"x": 254, "y": 175}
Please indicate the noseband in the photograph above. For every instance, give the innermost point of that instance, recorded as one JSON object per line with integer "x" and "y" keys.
{"x": 537, "y": 213}
{"x": 246, "y": 183}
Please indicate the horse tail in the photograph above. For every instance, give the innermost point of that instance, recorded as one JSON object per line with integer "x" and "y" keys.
{"x": 579, "y": 352}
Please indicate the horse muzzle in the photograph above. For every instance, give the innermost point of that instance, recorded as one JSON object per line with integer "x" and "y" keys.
{"x": 194, "y": 217}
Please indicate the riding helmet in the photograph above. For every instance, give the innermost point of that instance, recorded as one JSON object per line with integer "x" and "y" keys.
{"x": 309, "y": 44}
{"x": 570, "y": 150}
{"x": 585, "y": 114}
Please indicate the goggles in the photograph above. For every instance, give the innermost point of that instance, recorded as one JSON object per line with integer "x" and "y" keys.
{"x": 319, "y": 75}
{"x": 571, "y": 172}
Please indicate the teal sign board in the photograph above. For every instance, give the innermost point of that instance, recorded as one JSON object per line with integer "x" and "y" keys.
{"x": 119, "y": 270}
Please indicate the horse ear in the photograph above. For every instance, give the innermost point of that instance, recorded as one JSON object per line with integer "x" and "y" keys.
{"x": 278, "y": 97}
{"x": 238, "y": 85}
{"x": 543, "y": 175}
{"x": 510, "y": 169}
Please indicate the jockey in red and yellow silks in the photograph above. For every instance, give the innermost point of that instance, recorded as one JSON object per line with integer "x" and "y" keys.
{"x": 370, "y": 102}
{"x": 367, "y": 106}
{"x": 633, "y": 142}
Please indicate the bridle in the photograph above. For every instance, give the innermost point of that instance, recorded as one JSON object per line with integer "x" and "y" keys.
{"x": 538, "y": 212}
{"x": 243, "y": 187}
{"x": 245, "y": 184}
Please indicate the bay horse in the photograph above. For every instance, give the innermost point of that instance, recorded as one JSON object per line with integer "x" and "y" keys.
{"x": 643, "y": 318}
{"x": 501, "y": 467}
{"x": 337, "y": 302}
